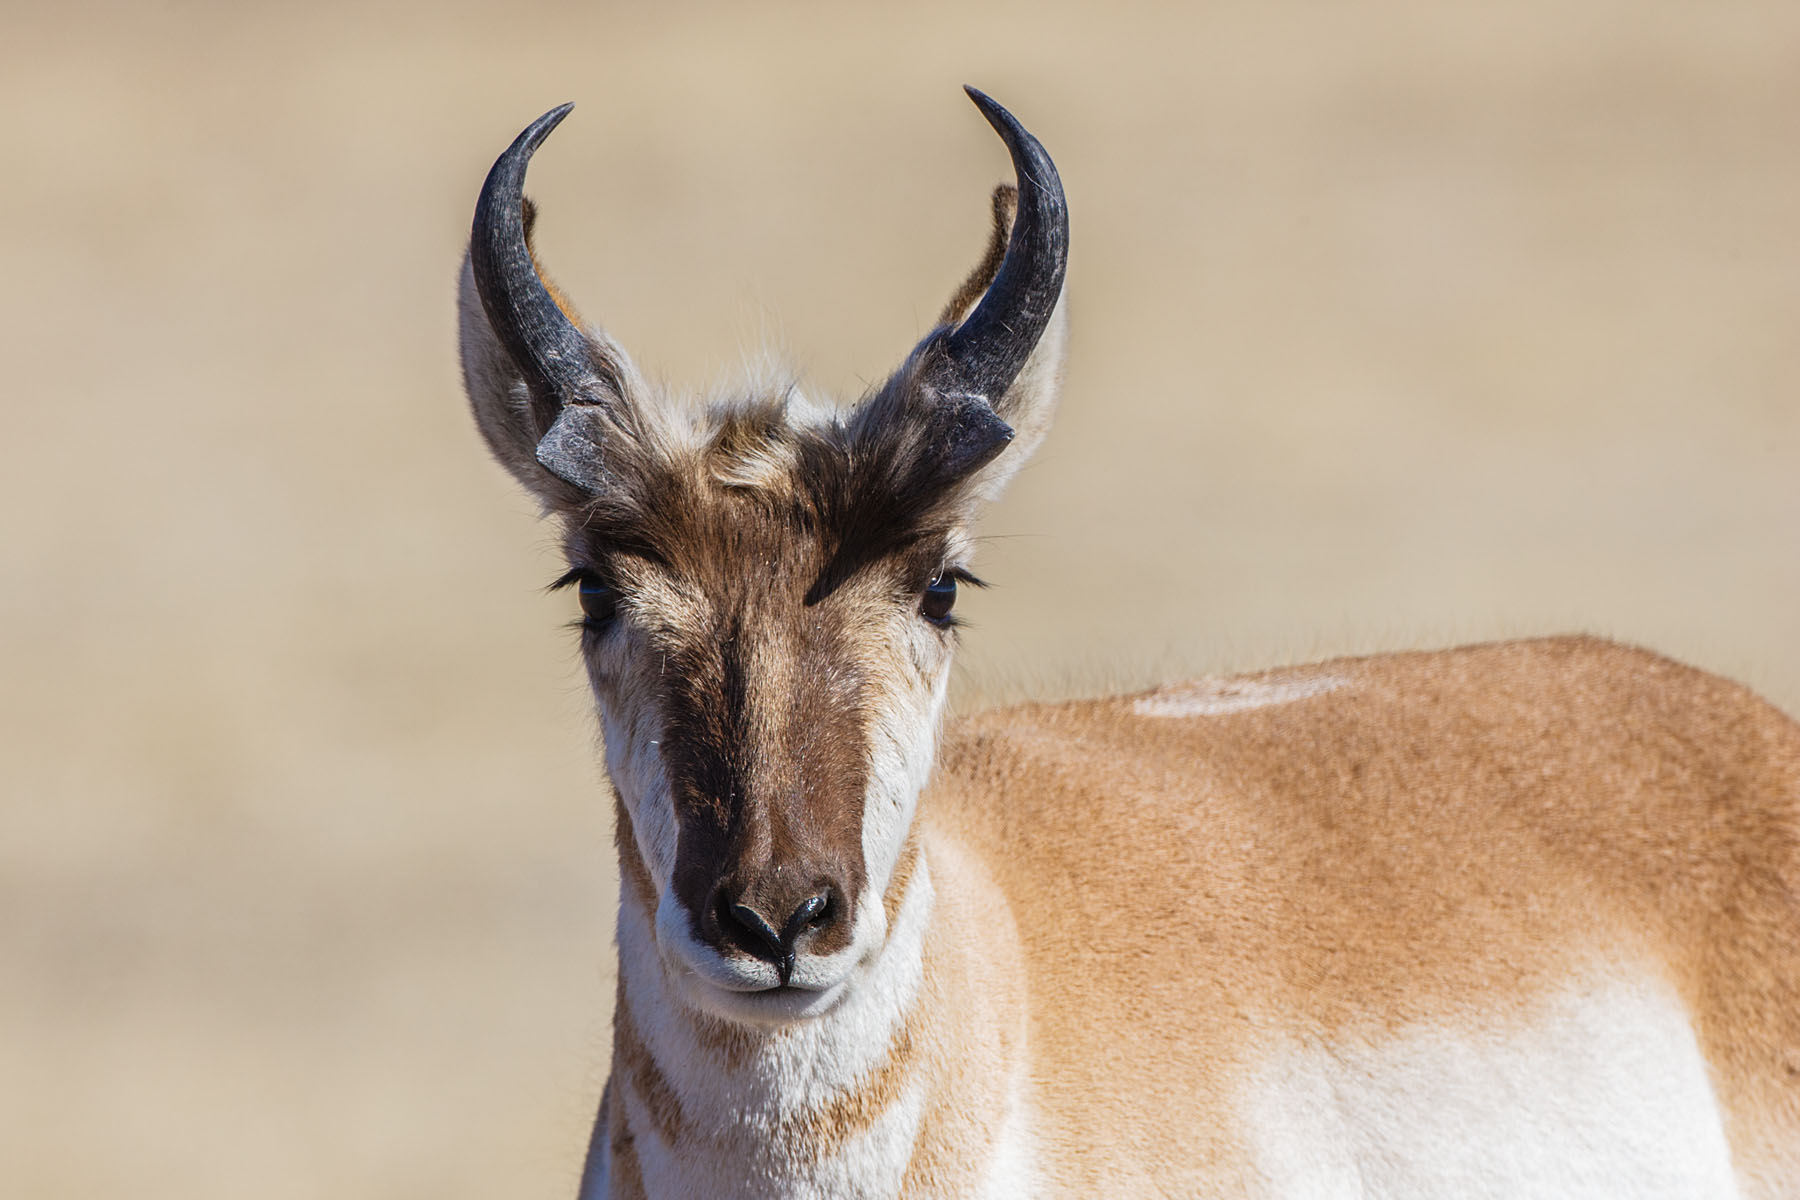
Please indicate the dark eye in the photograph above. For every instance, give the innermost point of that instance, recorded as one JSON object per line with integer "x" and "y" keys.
{"x": 940, "y": 598}
{"x": 599, "y": 603}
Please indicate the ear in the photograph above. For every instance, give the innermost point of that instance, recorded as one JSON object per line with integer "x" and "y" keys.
{"x": 1030, "y": 403}
{"x": 504, "y": 412}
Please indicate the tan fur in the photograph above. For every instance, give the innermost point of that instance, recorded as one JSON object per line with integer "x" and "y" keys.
{"x": 824, "y": 1130}
{"x": 1113, "y": 916}
{"x": 904, "y": 867}
{"x": 626, "y": 1178}
{"x": 644, "y": 1076}
{"x": 1441, "y": 838}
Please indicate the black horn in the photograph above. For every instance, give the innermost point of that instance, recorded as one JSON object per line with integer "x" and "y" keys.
{"x": 555, "y": 357}
{"x": 984, "y": 354}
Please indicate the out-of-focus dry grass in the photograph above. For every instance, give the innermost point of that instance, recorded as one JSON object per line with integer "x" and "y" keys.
{"x": 1396, "y": 325}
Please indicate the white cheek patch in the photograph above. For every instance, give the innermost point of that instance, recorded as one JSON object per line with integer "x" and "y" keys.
{"x": 1601, "y": 1093}
{"x": 1211, "y": 697}
{"x": 632, "y": 733}
{"x": 902, "y": 751}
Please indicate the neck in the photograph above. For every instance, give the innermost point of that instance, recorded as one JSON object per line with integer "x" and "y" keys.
{"x": 831, "y": 1105}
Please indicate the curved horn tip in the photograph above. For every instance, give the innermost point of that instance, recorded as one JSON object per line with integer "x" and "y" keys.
{"x": 982, "y": 99}
{"x": 554, "y": 356}
{"x": 540, "y": 129}
{"x": 1030, "y": 160}
{"x": 992, "y": 109}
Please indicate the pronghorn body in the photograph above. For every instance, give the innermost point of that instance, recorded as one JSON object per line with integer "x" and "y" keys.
{"x": 1514, "y": 920}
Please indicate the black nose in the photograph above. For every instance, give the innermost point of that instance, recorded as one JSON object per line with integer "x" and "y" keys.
{"x": 755, "y": 933}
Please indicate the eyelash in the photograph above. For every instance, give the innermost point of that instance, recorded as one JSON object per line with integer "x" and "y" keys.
{"x": 938, "y": 597}
{"x": 599, "y": 599}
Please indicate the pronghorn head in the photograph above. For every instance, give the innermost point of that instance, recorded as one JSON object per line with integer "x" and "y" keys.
{"x": 767, "y": 585}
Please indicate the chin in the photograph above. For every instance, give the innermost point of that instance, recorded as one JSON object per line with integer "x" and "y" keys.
{"x": 767, "y": 1008}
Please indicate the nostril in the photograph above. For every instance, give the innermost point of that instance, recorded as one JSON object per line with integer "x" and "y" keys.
{"x": 747, "y": 927}
{"x": 741, "y": 925}
{"x": 814, "y": 912}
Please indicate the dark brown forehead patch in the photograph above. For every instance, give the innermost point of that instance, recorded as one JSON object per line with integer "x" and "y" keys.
{"x": 761, "y": 498}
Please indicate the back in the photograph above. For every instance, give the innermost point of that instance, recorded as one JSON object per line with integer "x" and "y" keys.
{"x": 1380, "y": 870}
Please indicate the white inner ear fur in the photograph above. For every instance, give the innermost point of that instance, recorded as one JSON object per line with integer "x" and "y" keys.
{"x": 1029, "y": 405}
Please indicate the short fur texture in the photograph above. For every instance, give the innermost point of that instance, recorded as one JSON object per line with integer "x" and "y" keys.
{"x": 1517, "y": 919}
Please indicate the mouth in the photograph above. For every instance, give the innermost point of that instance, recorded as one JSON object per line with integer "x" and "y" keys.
{"x": 748, "y": 989}
{"x": 781, "y": 1004}
{"x": 739, "y": 987}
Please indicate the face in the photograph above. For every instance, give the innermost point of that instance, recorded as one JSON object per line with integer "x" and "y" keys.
{"x": 767, "y": 588}
{"x": 768, "y": 637}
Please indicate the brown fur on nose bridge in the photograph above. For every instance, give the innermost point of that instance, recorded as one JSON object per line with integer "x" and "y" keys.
{"x": 762, "y": 696}
{"x": 766, "y": 746}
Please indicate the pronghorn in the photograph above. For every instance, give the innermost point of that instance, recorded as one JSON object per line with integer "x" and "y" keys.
{"x": 1520, "y": 919}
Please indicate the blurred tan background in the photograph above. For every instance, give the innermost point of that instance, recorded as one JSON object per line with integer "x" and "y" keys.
{"x": 1395, "y": 325}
